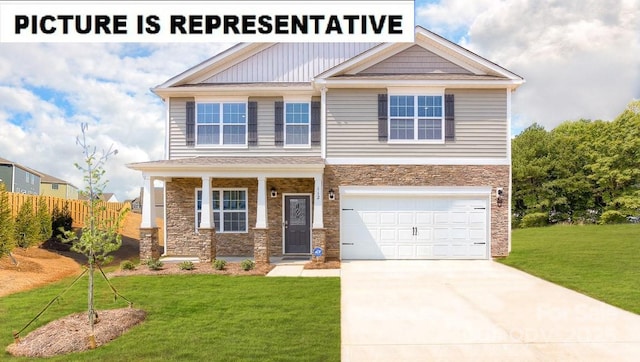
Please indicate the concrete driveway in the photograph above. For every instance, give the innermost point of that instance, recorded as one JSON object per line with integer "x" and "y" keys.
{"x": 474, "y": 310}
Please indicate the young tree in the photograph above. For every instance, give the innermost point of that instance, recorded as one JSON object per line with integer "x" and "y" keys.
{"x": 7, "y": 240}
{"x": 99, "y": 235}
{"x": 44, "y": 221}
{"x": 26, "y": 226}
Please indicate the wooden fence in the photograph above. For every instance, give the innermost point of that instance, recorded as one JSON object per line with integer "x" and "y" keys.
{"x": 79, "y": 208}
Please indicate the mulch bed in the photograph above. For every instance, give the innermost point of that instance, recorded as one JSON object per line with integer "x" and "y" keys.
{"x": 70, "y": 334}
{"x": 200, "y": 268}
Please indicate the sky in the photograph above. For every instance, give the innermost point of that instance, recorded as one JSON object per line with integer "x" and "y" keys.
{"x": 579, "y": 59}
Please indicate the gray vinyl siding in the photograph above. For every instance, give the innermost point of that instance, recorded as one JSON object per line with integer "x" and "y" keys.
{"x": 480, "y": 126}
{"x": 23, "y": 186}
{"x": 415, "y": 60}
{"x": 289, "y": 62}
{"x": 266, "y": 134}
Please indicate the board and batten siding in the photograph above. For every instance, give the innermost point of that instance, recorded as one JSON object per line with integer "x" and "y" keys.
{"x": 266, "y": 134}
{"x": 415, "y": 60}
{"x": 480, "y": 126}
{"x": 289, "y": 62}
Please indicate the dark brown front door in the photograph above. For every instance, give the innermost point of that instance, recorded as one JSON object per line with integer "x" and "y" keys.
{"x": 297, "y": 227}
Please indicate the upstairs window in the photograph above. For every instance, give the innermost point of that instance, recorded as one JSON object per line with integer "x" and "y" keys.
{"x": 221, "y": 124}
{"x": 297, "y": 125}
{"x": 416, "y": 118}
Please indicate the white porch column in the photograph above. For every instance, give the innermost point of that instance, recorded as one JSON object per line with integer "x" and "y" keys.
{"x": 205, "y": 218}
{"x": 261, "y": 212}
{"x": 148, "y": 204}
{"x": 318, "y": 197}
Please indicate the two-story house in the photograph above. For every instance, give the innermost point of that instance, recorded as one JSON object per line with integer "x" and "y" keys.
{"x": 366, "y": 151}
{"x": 55, "y": 187}
{"x": 18, "y": 178}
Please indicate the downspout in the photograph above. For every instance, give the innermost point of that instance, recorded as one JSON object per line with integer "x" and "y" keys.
{"x": 323, "y": 121}
{"x": 167, "y": 103}
{"x": 509, "y": 91}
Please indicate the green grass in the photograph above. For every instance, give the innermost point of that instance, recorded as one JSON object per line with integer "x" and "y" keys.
{"x": 199, "y": 318}
{"x": 602, "y": 261}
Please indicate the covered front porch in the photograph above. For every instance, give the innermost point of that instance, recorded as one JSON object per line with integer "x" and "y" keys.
{"x": 257, "y": 207}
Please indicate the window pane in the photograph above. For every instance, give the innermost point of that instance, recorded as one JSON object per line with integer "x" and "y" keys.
{"x": 297, "y": 113}
{"x": 199, "y": 201}
{"x": 401, "y": 106}
{"x": 234, "y": 135}
{"x": 429, "y": 129}
{"x": 216, "y": 220}
{"x": 430, "y": 106}
{"x": 401, "y": 129}
{"x": 215, "y": 200}
{"x": 208, "y": 135}
{"x": 235, "y": 221}
{"x": 234, "y": 113}
{"x": 234, "y": 200}
{"x": 297, "y": 135}
{"x": 208, "y": 113}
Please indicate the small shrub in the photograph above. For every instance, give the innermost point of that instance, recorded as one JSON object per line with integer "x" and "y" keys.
{"x": 154, "y": 264}
{"x": 219, "y": 264}
{"x": 127, "y": 265}
{"x": 247, "y": 264}
{"x": 534, "y": 220}
{"x": 612, "y": 217}
{"x": 186, "y": 265}
{"x": 61, "y": 221}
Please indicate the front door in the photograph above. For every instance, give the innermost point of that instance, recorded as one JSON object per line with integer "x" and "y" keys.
{"x": 297, "y": 226}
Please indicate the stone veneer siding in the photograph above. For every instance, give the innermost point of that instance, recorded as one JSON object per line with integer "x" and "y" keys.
{"x": 418, "y": 175}
{"x": 181, "y": 215}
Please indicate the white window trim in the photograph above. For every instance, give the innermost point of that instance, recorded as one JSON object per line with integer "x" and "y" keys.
{"x": 218, "y": 231}
{"x": 416, "y": 118}
{"x": 222, "y": 101}
{"x": 308, "y": 144}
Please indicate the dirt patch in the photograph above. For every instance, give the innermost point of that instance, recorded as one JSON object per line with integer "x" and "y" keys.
{"x": 70, "y": 334}
{"x": 36, "y": 267}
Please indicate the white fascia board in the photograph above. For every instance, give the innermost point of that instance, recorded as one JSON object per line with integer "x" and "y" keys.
{"x": 268, "y": 173}
{"x": 416, "y": 191}
{"x": 343, "y": 67}
{"x": 375, "y": 83}
{"x": 418, "y": 161}
{"x": 248, "y": 90}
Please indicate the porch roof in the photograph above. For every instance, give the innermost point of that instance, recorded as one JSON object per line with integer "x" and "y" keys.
{"x": 232, "y": 166}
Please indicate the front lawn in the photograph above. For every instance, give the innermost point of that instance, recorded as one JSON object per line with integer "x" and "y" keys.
{"x": 200, "y": 318}
{"x": 602, "y": 261}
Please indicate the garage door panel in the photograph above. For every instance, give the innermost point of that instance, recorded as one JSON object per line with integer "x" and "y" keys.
{"x": 391, "y": 227}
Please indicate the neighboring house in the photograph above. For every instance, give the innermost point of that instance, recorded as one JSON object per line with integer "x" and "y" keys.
{"x": 106, "y": 197}
{"x": 19, "y": 179}
{"x": 367, "y": 151}
{"x": 53, "y": 186}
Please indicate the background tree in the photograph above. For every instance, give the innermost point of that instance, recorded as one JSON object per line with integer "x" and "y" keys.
{"x": 579, "y": 170}
{"x": 7, "y": 233}
{"x": 99, "y": 236}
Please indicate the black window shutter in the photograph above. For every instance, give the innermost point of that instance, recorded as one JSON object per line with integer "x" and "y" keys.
{"x": 382, "y": 117}
{"x": 315, "y": 123}
{"x": 252, "y": 124}
{"x": 279, "y": 123}
{"x": 191, "y": 123}
{"x": 449, "y": 118}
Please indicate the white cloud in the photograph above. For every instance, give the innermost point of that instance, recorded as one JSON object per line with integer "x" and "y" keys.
{"x": 579, "y": 57}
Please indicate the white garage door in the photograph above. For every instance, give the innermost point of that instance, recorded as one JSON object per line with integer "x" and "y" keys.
{"x": 410, "y": 227}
